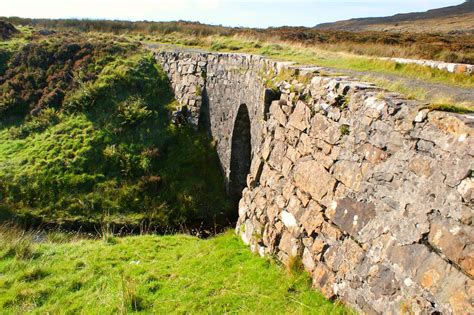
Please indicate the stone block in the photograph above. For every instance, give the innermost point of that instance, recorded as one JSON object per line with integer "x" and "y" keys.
{"x": 277, "y": 113}
{"x": 312, "y": 178}
{"x": 288, "y": 220}
{"x": 324, "y": 279}
{"x": 299, "y": 119}
{"x": 325, "y": 129}
{"x": 277, "y": 154}
{"x": 420, "y": 166}
{"x": 383, "y": 282}
{"x": 349, "y": 173}
{"x": 308, "y": 260}
{"x": 352, "y": 215}
{"x": 289, "y": 244}
{"x": 456, "y": 241}
{"x": 373, "y": 154}
{"x": 312, "y": 218}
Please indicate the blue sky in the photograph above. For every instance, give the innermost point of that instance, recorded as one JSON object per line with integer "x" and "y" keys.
{"x": 252, "y": 13}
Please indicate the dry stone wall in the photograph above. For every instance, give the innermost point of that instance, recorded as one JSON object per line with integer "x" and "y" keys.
{"x": 374, "y": 193}
{"x": 440, "y": 65}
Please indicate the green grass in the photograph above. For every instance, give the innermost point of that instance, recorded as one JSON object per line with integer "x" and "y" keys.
{"x": 459, "y": 109}
{"x": 176, "y": 274}
{"x": 439, "y": 103}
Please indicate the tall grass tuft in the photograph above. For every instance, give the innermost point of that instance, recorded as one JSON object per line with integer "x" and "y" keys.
{"x": 294, "y": 265}
{"x": 131, "y": 300}
{"x": 17, "y": 243}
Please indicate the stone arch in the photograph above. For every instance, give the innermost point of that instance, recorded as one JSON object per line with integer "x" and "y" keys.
{"x": 240, "y": 155}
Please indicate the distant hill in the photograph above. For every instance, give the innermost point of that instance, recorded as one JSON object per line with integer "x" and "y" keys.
{"x": 453, "y": 19}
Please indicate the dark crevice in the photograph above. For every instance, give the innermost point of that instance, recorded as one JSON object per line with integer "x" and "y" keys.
{"x": 270, "y": 96}
{"x": 204, "y": 122}
{"x": 323, "y": 252}
{"x": 240, "y": 156}
{"x": 425, "y": 241}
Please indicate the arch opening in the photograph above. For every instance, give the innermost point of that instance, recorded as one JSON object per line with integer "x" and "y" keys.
{"x": 204, "y": 121}
{"x": 270, "y": 96}
{"x": 240, "y": 159}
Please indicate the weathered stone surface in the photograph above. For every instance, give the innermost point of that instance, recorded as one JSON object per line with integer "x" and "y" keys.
{"x": 420, "y": 166}
{"x": 277, "y": 154}
{"x": 300, "y": 117}
{"x": 324, "y": 129}
{"x": 455, "y": 241}
{"x": 255, "y": 171}
{"x": 352, "y": 216}
{"x": 308, "y": 260}
{"x": 408, "y": 258}
{"x": 289, "y": 245}
{"x": 348, "y": 173}
{"x": 277, "y": 112}
{"x": 373, "y": 154}
{"x": 421, "y": 116}
{"x": 305, "y": 145}
{"x": 384, "y": 283}
{"x": 323, "y": 159}
{"x": 292, "y": 154}
{"x": 266, "y": 148}
{"x": 312, "y": 218}
{"x": 351, "y": 254}
{"x": 295, "y": 207}
{"x": 311, "y": 177}
{"x": 288, "y": 219}
{"x": 466, "y": 189}
{"x": 324, "y": 280}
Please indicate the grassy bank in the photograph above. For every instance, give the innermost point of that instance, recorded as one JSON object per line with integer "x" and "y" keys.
{"x": 85, "y": 139}
{"x": 148, "y": 274}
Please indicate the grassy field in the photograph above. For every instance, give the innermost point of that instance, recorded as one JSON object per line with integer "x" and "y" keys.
{"x": 176, "y": 274}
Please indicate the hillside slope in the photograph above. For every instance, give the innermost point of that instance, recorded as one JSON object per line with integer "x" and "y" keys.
{"x": 148, "y": 274}
{"x": 456, "y": 19}
{"x": 86, "y": 139}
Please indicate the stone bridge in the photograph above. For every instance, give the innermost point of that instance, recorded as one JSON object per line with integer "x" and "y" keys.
{"x": 371, "y": 192}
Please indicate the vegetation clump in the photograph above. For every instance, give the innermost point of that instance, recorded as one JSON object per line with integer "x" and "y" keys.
{"x": 459, "y": 109}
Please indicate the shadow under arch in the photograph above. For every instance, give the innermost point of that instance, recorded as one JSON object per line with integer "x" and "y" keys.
{"x": 204, "y": 121}
{"x": 240, "y": 158}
